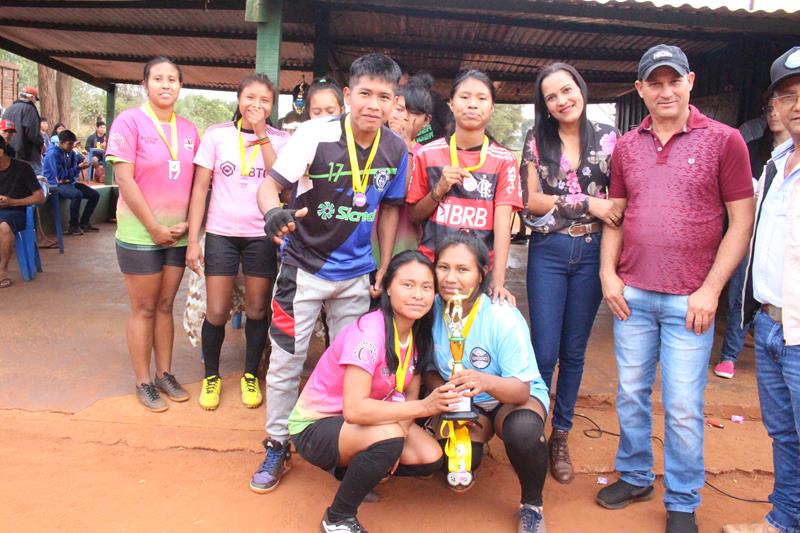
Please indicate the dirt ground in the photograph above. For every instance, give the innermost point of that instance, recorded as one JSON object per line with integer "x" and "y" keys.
{"x": 79, "y": 454}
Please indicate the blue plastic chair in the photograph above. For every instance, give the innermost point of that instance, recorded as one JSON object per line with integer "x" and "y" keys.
{"x": 52, "y": 193}
{"x": 27, "y": 250}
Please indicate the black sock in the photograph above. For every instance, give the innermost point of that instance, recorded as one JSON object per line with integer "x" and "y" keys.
{"x": 364, "y": 473}
{"x": 419, "y": 470}
{"x": 255, "y": 334}
{"x": 211, "y": 338}
{"x": 523, "y": 436}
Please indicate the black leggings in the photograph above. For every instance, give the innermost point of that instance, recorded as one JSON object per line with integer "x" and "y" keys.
{"x": 526, "y": 446}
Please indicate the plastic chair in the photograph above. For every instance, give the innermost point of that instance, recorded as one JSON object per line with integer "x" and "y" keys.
{"x": 52, "y": 193}
{"x": 27, "y": 250}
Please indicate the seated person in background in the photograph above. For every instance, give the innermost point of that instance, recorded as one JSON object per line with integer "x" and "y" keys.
{"x": 7, "y": 131}
{"x": 61, "y": 167}
{"x": 18, "y": 189}
{"x": 96, "y": 151}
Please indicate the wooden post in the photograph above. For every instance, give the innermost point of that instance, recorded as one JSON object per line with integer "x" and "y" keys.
{"x": 111, "y": 104}
{"x": 268, "y": 14}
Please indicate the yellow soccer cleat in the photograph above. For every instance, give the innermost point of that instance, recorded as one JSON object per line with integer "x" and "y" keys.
{"x": 209, "y": 394}
{"x": 251, "y": 393}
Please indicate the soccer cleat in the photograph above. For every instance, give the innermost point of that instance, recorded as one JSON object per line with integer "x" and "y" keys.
{"x": 170, "y": 386}
{"x": 209, "y": 393}
{"x": 531, "y": 520}
{"x": 348, "y": 525}
{"x": 148, "y": 395}
{"x": 251, "y": 393}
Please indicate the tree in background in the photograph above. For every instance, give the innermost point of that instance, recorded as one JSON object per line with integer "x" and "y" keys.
{"x": 508, "y": 126}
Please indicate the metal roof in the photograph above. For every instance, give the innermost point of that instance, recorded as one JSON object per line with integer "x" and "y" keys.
{"x": 104, "y": 41}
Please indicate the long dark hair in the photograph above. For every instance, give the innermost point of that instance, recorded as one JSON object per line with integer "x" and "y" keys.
{"x": 463, "y": 76}
{"x": 478, "y": 249}
{"x": 318, "y": 85}
{"x": 55, "y": 128}
{"x": 548, "y": 142}
{"x": 249, "y": 80}
{"x": 422, "y": 327}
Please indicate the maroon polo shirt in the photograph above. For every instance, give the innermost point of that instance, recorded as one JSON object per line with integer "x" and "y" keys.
{"x": 676, "y": 195}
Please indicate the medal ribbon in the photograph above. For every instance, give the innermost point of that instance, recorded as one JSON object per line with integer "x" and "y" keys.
{"x": 360, "y": 179}
{"x": 402, "y": 366}
{"x": 454, "y": 154}
{"x": 246, "y": 166}
{"x": 173, "y": 130}
{"x": 468, "y": 323}
{"x": 458, "y": 446}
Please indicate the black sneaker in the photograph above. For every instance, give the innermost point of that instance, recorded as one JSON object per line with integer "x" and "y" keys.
{"x": 621, "y": 494}
{"x": 678, "y": 522}
{"x": 75, "y": 230}
{"x": 348, "y": 525}
{"x": 89, "y": 227}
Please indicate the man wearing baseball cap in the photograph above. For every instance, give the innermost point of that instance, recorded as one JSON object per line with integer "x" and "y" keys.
{"x": 676, "y": 176}
{"x": 7, "y": 131}
{"x": 27, "y": 143}
{"x": 772, "y": 294}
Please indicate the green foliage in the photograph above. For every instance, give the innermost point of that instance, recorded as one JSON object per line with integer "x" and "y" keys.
{"x": 204, "y": 111}
{"x": 509, "y": 126}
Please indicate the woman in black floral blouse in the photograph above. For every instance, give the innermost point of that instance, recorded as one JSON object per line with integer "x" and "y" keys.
{"x": 567, "y": 160}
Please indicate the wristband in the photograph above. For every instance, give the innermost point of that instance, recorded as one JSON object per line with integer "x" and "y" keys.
{"x": 435, "y": 199}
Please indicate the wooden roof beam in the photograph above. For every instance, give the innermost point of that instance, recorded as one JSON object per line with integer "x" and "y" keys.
{"x": 39, "y": 57}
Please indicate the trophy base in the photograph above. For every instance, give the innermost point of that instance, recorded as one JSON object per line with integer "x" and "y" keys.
{"x": 461, "y": 416}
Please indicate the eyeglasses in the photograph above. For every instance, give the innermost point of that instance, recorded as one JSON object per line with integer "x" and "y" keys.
{"x": 786, "y": 100}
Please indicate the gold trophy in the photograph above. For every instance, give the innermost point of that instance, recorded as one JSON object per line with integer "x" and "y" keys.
{"x": 455, "y": 333}
{"x": 458, "y": 447}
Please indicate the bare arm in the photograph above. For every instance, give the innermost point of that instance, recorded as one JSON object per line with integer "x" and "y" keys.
{"x": 610, "y": 251}
{"x": 703, "y": 302}
{"x": 359, "y": 408}
{"x": 387, "y": 233}
{"x": 538, "y": 202}
{"x": 502, "y": 243}
{"x": 129, "y": 190}
{"x": 197, "y": 209}
{"x": 268, "y": 195}
{"x": 423, "y": 209}
{"x": 36, "y": 198}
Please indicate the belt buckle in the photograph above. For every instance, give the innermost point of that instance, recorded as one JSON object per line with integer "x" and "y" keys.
{"x": 569, "y": 230}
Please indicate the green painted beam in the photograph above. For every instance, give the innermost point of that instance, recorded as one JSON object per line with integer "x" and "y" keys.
{"x": 268, "y": 15}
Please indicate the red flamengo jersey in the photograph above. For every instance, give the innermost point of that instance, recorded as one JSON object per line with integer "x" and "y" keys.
{"x": 497, "y": 184}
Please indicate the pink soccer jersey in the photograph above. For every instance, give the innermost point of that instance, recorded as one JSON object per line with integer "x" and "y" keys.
{"x": 362, "y": 344}
{"x": 233, "y": 210}
{"x": 134, "y": 139}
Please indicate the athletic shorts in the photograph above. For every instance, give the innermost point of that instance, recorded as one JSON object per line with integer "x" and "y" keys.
{"x": 319, "y": 443}
{"x": 15, "y": 218}
{"x": 257, "y": 255}
{"x": 145, "y": 262}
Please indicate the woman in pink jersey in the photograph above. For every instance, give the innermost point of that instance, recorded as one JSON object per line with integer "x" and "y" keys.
{"x": 233, "y": 159}
{"x": 355, "y": 416}
{"x": 152, "y": 151}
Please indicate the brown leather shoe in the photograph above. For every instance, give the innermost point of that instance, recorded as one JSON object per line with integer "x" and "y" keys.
{"x": 560, "y": 464}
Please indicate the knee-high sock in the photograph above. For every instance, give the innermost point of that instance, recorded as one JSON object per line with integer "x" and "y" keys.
{"x": 419, "y": 470}
{"x": 363, "y": 473}
{"x": 255, "y": 334}
{"x": 523, "y": 436}
{"x": 211, "y": 338}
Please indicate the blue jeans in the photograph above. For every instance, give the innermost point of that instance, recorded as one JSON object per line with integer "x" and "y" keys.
{"x": 564, "y": 293}
{"x": 656, "y": 332}
{"x": 778, "y": 378}
{"x": 733, "y": 342}
{"x": 77, "y": 192}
